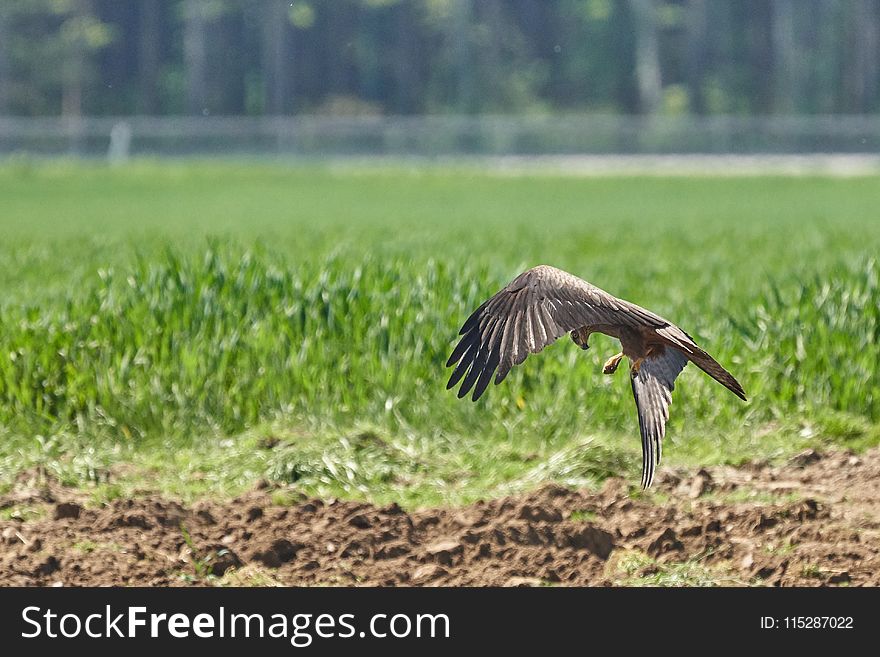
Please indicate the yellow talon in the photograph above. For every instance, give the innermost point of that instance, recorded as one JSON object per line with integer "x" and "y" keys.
{"x": 611, "y": 364}
{"x": 637, "y": 364}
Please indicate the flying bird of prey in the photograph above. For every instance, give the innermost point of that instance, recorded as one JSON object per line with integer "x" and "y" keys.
{"x": 543, "y": 304}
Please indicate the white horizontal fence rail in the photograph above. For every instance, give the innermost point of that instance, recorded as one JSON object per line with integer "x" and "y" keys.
{"x": 320, "y": 136}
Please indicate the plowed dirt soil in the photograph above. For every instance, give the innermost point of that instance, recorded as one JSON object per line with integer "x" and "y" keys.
{"x": 813, "y": 521}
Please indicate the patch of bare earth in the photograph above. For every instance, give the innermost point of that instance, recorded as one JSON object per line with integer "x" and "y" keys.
{"x": 814, "y": 521}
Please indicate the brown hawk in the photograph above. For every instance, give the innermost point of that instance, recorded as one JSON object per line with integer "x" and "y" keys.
{"x": 543, "y": 304}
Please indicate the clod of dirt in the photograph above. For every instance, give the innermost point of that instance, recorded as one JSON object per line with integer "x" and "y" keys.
{"x": 280, "y": 551}
{"x": 805, "y": 458}
{"x": 254, "y": 513}
{"x": 700, "y": 484}
{"x": 167, "y": 514}
{"x": 444, "y": 551}
{"x": 67, "y": 510}
{"x": 539, "y": 514}
{"x": 205, "y": 517}
{"x": 839, "y": 578}
{"x": 592, "y": 539}
{"x": 666, "y": 541}
{"x": 427, "y": 521}
{"x": 360, "y": 521}
{"x": 520, "y": 582}
{"x": 223, "y": 561}
{"x": 765, "y": 572}
{"x": 554, "y": 491}
{"x": 427, "y": 573}
{"x": 764, "y": 522}
{"x": 809, "y": 509}
{"x": 692, "y": 530}
{"x": 356, "y": 549}
{"x": 138, "y": 520}
{"x": 391, "y": 551}
{"x": 615, "y": 488}
{"x": 50, "y": 565}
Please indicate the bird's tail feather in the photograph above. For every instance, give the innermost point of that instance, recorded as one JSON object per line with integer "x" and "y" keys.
{"x": 711, "y": 367}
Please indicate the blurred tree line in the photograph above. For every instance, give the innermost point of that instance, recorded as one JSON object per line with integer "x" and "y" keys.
{"x": 231, "y": 57}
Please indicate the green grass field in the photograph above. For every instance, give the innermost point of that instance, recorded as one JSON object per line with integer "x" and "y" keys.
{"x": 191, "y": 328}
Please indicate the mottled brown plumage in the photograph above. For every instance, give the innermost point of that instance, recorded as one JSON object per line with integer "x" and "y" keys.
{"x": 543, "y": 304}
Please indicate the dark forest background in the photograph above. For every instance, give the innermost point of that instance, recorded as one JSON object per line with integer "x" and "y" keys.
{"x": 342, "y": 57}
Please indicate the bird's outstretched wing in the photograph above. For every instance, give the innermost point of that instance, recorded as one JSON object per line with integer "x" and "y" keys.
{"x": 537, "y": 307}
{"x": 652, "y": 387}
{"x": 673, "y": 336}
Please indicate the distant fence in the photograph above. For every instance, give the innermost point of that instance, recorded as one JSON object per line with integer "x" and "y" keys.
{"x": 435, "y": 136}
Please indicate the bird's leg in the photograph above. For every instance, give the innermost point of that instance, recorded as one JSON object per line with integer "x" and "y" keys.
{"x": 611, "y": 364}
{"x": 636, "y": 365}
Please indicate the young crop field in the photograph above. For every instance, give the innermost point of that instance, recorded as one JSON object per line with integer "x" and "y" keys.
{"x": 191, "y": 329}
{"x": 177, "y": 317}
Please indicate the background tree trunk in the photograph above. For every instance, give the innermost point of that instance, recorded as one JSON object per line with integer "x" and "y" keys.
{"x": 149, "y": 45}
{"x": 406, "y": 75}
{"x": 459, "y": 41}
{"x": 647, "y": 55}
{"x": 276, "y": 64}
{"x": 697, "y": 53}
{"x": 195, "y": 46}
{"x": 788, "y": 61}
{"x": 862, "y": 74}
{"x": 5, "y": 70}
{"x": 73, "y": 66}
{"x": 759, "y": 57}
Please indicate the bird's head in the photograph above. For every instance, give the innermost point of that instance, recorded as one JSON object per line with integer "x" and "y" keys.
{"x": 580, "y": 337}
